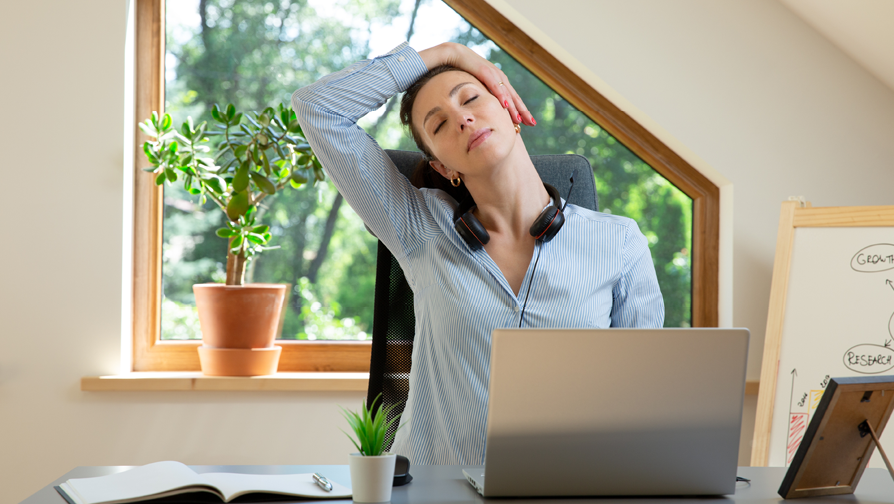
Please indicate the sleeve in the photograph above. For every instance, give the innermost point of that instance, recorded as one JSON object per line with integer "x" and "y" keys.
{"x": 637, "y": 300}
{"x": 328, "y": 111}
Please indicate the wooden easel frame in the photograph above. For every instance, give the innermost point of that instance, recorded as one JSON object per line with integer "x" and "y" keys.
{"x": 835, "y": 450}
{"x": 795, "y": 214}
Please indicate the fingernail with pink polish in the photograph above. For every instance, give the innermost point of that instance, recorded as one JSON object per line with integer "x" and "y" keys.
{"x": 518, "y": 118}
{"x": 534, "y": 121}
{"x": 505, "y": 103}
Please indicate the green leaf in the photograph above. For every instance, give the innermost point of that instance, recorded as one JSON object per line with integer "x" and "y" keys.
{"x": 149, "y": 129}
{"x": 186, "y": 131}
{"x": 266, "y": 163}
{"x": 295, "y": 185}
{"x": 166, "y": 122}
{"x": 194, "y": 190}
{"x": 171, "y": 175}
{"x": 256, "y": 239}
{"x": 294, "y": 127}
{"x": 216, "y": 184}
{"x": 253, "y": 122}
{"x": 215, "y": 113}
{"x": 251, "y": 210}
{"x": 231, "y": 111}
{"x": 226, "y": 233}
{"x": 235, "y": 244}
{"x": 298, "y": 178}
{"x": 237, "y": 119}
{"x": 238, "y": 205}
{"x": 240, "y": 150}
{"x": 160, "y": 179}
{"x": 240, "y": 180}
{"x": 279, "y": 151}
{"x": 260, "y": 229}
{"x": 263, "y": 183}
{"x": 173, "y": 147}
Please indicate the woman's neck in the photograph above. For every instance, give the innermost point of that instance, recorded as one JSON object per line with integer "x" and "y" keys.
{"x": 511, "y": 196}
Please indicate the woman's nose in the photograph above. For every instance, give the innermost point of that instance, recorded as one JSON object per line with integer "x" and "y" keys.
{"x": 465, "y": 120}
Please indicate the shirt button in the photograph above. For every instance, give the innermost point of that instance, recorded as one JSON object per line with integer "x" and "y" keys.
{"x": 516, "y": 309}
{"x": 400, "y": 58}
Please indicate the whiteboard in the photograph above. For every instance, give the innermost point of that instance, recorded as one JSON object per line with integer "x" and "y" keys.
{"x": 838, "y": 321}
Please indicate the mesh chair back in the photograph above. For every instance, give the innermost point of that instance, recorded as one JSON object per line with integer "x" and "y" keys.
{"x": 394, "y": 322}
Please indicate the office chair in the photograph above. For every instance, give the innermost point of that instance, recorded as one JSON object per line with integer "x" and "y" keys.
{"x": 394, "y": 322}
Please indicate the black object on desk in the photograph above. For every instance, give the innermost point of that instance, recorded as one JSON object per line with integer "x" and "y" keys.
{"x": 402, "y": 471}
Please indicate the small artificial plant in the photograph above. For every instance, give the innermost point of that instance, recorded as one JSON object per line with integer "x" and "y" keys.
{"x": 253, "y": 159}
{"x": 371, "y": 429}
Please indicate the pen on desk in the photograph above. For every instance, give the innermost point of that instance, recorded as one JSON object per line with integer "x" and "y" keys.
{"x": 322, "y": 482}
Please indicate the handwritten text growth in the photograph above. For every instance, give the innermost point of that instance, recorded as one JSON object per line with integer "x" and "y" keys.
{"x": 874, "y": 258}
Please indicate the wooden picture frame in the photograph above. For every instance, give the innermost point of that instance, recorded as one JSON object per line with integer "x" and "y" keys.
{"x": 841, "y": 438}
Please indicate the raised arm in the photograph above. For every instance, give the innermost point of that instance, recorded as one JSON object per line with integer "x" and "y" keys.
{"x": 328, "y": 111}
{"x": 637, "y": 298}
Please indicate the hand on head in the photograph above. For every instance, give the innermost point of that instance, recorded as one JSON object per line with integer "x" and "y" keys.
{"x": 490, "y": 76}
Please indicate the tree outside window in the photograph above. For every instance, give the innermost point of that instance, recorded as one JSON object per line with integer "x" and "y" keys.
{"x": 255, "y": 53}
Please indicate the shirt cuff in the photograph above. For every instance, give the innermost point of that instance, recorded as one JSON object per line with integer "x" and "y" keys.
{"x": 405, "y": 65}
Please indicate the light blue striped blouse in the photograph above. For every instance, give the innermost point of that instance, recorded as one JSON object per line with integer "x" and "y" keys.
{"x": 597, "y": 272}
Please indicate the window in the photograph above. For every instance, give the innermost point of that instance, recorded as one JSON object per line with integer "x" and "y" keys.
{"x": 326, "y": 255}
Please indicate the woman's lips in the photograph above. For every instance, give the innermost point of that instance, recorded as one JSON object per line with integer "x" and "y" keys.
{"x": 478, "y": 138}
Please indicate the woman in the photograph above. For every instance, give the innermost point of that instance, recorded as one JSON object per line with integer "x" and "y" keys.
{"x": 596, "y": 272}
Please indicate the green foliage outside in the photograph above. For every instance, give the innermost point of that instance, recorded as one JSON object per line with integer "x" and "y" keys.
{"x": 254, "y": 54}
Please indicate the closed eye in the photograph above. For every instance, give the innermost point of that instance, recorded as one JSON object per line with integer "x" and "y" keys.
{"x": 470, "y": 100}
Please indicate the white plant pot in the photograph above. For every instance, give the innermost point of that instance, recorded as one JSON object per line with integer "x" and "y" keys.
{"x": 372, "y": 477}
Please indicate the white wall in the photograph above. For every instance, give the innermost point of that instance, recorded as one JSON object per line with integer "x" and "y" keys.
{"x": 742, "y": 87}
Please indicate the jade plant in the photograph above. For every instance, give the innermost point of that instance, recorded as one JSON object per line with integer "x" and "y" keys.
{"x": 258, "y": 154}
{"x": 371, "y": 428}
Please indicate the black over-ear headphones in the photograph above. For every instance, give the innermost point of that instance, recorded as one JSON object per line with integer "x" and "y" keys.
{"x": 544, "y": 228}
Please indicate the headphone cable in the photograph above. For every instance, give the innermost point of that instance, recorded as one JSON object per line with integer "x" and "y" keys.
{"x": 528, "y": 293}
{"x": 539, "y": 249}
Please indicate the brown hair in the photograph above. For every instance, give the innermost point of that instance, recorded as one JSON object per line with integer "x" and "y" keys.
{"x": 424, "y": 175}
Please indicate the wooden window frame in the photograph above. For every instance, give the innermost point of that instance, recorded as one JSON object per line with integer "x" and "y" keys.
{"x": 152, "y": 354}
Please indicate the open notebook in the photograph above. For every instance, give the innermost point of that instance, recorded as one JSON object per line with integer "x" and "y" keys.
{"x": 165, "y": 479}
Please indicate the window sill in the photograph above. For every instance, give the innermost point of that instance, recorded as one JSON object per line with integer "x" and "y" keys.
{"x": 185, "y": 380}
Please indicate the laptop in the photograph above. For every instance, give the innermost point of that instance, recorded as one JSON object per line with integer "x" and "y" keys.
{"x": 613, "y": 412}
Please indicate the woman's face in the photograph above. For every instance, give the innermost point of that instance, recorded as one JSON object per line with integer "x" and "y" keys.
{"x": 464, "y": 126}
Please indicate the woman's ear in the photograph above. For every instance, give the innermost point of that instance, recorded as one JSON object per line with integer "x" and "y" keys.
{"x": 440, "y": 168}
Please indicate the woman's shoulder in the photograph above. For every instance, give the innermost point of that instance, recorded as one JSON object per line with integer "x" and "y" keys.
{"x": 587, "y": 216}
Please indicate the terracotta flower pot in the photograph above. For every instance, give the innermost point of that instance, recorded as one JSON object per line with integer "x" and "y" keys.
{"x": 239, "y": 325}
